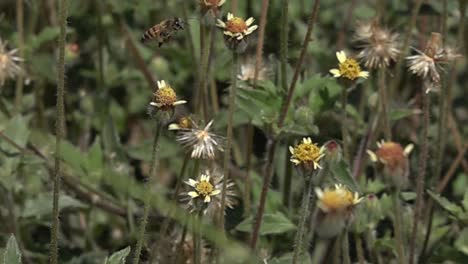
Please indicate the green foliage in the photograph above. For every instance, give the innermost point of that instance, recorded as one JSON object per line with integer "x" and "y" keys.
{"x": 118, "y": 257}
{"x": 275, "y": 223}
{"x": 11, "y": 254}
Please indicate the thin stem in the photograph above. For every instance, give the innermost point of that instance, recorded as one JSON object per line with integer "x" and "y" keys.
{"x": 344, "y": 125}
{"x": 284, "y": 44}
{"x": 197, "y": 238}
{"x": 297, "y": 71}
{"x": 100, "y": 38}
{"x": 344, "y": 28}
{"x": 287, "y": 182}
{"x": 345, "y": 245}
{"x": 248, "y": 180}
{"x": 405, "y": 46}
{"x": 179, "y": 246}
{"x": 337, "y": 250}
{"x": 422, "y": 173}
{"x": 303, "y": 217}
{"x": 398, "y": 227}
{"x": 19, "y": 81}
{"x": 59, "y": 132}
{"x": 320, "y": 250}
{"x": 227, "y": 151}
{"x": 383, "y": 98}
{"x": 359, "y": 248}
{"x": 147, "y": 195}
{"x": 234, "y": 6}
{"x": 267, "y": 174}
{"x": 261, "y": 38}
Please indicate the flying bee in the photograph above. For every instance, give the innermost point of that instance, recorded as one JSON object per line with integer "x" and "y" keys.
{"x": 163, "y": 31}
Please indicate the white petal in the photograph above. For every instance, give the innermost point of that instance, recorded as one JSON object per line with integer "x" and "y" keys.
{"x": 180, "y": 102}
{"x": 229, "y": 33}
{"x": 291, "y": 149}
{"x": 193, "y": 194}
{"x": 221, "y": 2}
{"x": 207, "y": 127}
{"x": 341, "y": 56}
{"x": 220, "y": 23}
{"x": 191, "y": 182}
{"x": 215, "y": 192}
{"x": 319, "y": 192}
{"x": 408, "y": 149}
{"x": 295, "y": 161}
{"x": 230, "y": 16}
{"x": 372, "y": 156}
{"x": 173, "y": 127}
{"x": 207, "y": 199}
{"x": 364, "y": 74}
{"x": 158, "y": 105}
{"x": 335, "y": 72}
{"x": 249, "y": 21}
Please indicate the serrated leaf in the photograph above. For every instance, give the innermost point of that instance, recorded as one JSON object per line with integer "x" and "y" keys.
{"x": 275, "y": 223}
{"x": 12, "y": 253}
{"x": 342, "y": 174}
{"x": 446, "y": 204}
{"x": 118, "y": 257}
{"x": 41, "y": 206}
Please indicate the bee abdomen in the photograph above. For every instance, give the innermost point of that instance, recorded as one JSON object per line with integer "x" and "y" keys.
{"x": 148, "y": 35}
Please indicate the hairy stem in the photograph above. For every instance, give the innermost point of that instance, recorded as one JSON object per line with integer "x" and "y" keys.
{"x": 19, "y": 80}
{"x": 59, "y": 132}
{"x": 397, "y": 225}
{"x": 359, "y": 248}
{"x": 261, "y": 38}
{"x": 147, "y": 195}
{"x": 227, "y": 151}
{"x": 345, "y": 246}
{"x": 303, "y": 217}
{"x": 284, "y": 44}
{"x": 267, "y": 174}
{"x": 248, "y": 180}
{"x": 384, "y": 99}
{"x": 305, "y": 44}
{"x": 344, "y": 125}
{"x": 422, "y": 173}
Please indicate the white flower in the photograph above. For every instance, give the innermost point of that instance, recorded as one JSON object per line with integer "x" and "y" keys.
{"x": 202, "y": 142}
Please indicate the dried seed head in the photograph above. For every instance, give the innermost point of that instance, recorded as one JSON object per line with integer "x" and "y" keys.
{"x": 9, "y": 68}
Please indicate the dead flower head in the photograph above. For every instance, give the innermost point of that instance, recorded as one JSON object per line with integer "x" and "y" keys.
{"x": 9, "y": 68}
{"x": 247, "y": 71}
{"x": 211, "y": 6}
{"x": 379, "y": 46}
{"x": 202, "y": 143}
{"x": 394, "y": 160}
{"x": 429, "y": 63}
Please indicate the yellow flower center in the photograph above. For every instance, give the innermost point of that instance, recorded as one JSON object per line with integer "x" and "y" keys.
{"x": 391, "y": 153}
{"x": 204, "y": 188}
{"x": 236, "y": 25}
{"x": 337, "y": 199}
{"x": 307, "y": 152}
{"x": 3, "y": 59}
{"x": 350, "y": 69}
{"x": 185, "y": 123}
{"x": 165, "y": 96}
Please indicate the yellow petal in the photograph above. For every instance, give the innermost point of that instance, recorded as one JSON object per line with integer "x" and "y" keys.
{"x": 341, "y": 56}
{"x": 364, "y": 74}
{"x": 335, "y": 72}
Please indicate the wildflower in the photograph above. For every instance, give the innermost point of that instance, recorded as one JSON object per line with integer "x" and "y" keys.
{"x": 236, "y": 30}
{"x": 204, "y": 189}
{"x": 348, "y": 68}
{"x": 184, "y": 122}
{"x": 8, "y": 63}
{"x": 394, "y": 160}
{"x": 307, "y": 154}
{"x": 202, "y": 142}
{"x": 427, "y": 64}
{"x": 247, "y": 71}
{"x": 336, "y": 207}
{"x": 379, "y": 46}
{"x": 165, "y": 97}
{"x": 211, "y": 6}
{"x": 215, "y": 179}
{"x": 333, "y": 151}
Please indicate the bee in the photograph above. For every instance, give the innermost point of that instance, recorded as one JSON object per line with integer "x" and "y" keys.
{"x": 163, "y": 31}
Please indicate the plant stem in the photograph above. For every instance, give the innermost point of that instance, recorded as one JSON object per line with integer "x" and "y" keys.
{"x": 261, "y": 38}
{"x": 337, "y": 250}
{"x": 59, "y": 132}
{"x": 305, "y": 44}
{"x": 147, "y": 195}
{"x": 359, "y": 249}
{"x": 227, "y": 151}
{"x": 398, "y": 227}
{"x": 197, "y": 238}
{"x": 383, "y": 98}
{"x": 248, "y": 180}
{"x": 287, "y": 182}
{"x": 284, "y": 44}
{"x": 345, "y": 245}
{"x": 303, "y": 217}
{"x": 19, "y": 80}
{"x": 344, "y": 125}
{"x": 267, "y": 174}
{"x": 320, "y": 250}
{"x": 422, "y": 172}
{"x": 234, "y": 6}
{"x": 404, "y": 47}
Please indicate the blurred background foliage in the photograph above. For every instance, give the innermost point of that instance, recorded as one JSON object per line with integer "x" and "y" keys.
{"x": 108, "y": 130}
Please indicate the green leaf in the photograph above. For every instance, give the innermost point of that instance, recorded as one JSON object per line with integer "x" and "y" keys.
{"x": 287, "y": 258}
{"x": 408, "y": 196}
{"x": 12, "y": 254}
{"x": 118, "y": 257}
{"x": 397, "y": 114}
{"x": 41, "y": 205}
{"x": 462, "y": 242}
{"x": 446, "y": 204}
{"x": 10, "y": 157}
{"x": 46, "y": 35}
{"x": 276, "y": 223}
{"x": 342, "y": 174}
